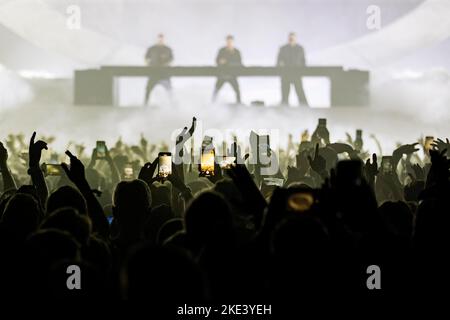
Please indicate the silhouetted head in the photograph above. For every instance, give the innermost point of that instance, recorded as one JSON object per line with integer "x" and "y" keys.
{"x": 66, "y": 196}
{"x": 398, "y": 217}
{"x": 131, "y": 203}
{"x": 199, "y": 185}
{"x": 29, "y": 189}
{"x": 301, "y": 249}
{"x": 168, "y": 229}
{"x": 157, "y": 217}
{"x": 161, "y": 274}
{"x": 161, "y": 193}
{"x": 98, "y": 253}
{"x": 292, "y": 38}
{"x": 229, "y": 191}
{"x": 43, "y": 250}
{"x": 68, "y": 219}
{"x": 208, "y": 219}
{"x": 92, "y": 281}
{"x": 21, "y": 215}
{"x": 46, "y": 247}
{"x": 229, "y": 41}
{"x": 299, "y": 236}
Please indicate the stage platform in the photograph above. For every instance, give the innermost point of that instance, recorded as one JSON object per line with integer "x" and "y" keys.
{"x": 52, "y": 112}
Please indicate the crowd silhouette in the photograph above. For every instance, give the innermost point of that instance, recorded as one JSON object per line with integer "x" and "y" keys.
{"x": 227, "y": 238}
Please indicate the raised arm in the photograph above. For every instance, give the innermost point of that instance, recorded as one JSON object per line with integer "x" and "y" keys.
{"x": 8, "y": 180}
{"x": 34, "y": 170}
{"x": 77, "y": 175}
{"x": 398, "y": 153}
{"x": 181, "y": 140}
{"x": 115, "y": 175}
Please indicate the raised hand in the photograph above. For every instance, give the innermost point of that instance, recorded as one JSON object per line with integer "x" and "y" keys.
{"x": 184, "y": 136}
{"x": 3, "y": 154}
{"x": 148, "y": 171}
{"x": 94, "y": 158}
{"x": 8, "y": 180}
{"x": 249, "y": 191}
{"x": 35, "y": 151}
{"x": 407, "y": 148}
{"x": 344, "y": 147}
{"x": 235, "y": 151}
{"x": 75, "y": 171}
{"x": 177, "y": 182}
{"x": 439, "y": 159}
{"x": 318, "y": 164}
{"x": 440, "y": 145}
{"x": 439, "y": 170}
{"x": 371, "y": 169}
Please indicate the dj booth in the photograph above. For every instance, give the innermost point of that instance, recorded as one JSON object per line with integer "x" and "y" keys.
{"x": 98, "y": 86}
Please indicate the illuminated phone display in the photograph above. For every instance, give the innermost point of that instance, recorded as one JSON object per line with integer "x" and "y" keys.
{"x": 128, "y": 172}
{"x": 164, "y": 164}
{"x": 207, "y": 163}
{"x": 53, "y": 169}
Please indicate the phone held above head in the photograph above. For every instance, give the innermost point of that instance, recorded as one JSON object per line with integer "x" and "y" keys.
{"x": 164, "y": 165}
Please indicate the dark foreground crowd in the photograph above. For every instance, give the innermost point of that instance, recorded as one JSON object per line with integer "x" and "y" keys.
{"x": 231, "y": 237}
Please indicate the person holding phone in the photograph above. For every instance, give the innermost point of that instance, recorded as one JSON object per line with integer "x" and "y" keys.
{"x": 228, "y": 56}
{"x": 292, "y": 55}
{"x": 158, "y": 55}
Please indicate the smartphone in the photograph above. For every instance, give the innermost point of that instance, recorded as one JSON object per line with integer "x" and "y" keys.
{"x": 53, "y": 169}
{"x": 101, "y": 149}
{"x": 227, "y": 162}
{"x": 128, "y": 172}
{"x": 207, "y": 162}
{"x": 164, "y": 164}
{"x": 386, "y": 164}
{"x": 428, "y": 143}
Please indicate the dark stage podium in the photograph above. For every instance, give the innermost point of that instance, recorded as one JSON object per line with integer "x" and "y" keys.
{"x": 97, "y": 86}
